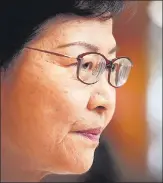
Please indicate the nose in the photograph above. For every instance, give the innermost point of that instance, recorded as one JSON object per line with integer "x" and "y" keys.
{"x": 102, "y": 98}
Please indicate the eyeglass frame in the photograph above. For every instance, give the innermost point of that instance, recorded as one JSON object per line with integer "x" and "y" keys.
{"x": 109, "y": 63}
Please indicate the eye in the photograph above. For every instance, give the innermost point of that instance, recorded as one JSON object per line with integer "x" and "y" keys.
{"x": 87, "y": 65}
{"x": 91, "y": 67}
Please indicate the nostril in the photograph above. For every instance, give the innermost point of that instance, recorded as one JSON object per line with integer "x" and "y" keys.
{"x": 100, "y": 109}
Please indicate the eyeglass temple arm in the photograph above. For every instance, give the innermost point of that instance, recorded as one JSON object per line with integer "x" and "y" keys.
{"x": 109, "y": 63}
{"x": 50, "y": 52}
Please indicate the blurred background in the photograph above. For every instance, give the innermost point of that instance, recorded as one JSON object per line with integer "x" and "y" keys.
{"x": 135, "y": 132}
{"x": 136, "y": 129}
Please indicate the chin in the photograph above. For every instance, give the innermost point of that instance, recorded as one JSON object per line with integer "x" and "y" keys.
{"x": 82, "y": 164}
{"x": 73, "y": 156}
{"x": 82, "y": 168}
{"x": 76, "y": 164}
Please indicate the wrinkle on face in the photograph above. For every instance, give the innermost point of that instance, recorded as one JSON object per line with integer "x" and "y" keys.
{"x": 47, "y": 101}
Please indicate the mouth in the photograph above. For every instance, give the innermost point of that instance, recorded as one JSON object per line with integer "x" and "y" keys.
{"x": 91, "y": 134}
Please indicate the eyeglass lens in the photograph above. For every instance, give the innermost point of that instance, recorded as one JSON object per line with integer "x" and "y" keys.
{"x": 93, "y": 65}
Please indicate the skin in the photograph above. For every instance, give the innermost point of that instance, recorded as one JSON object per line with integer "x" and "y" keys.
{"x": 43, "y": 103}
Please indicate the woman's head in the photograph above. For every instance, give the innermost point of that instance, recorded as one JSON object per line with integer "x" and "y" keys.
{"x": 46, "y": 110}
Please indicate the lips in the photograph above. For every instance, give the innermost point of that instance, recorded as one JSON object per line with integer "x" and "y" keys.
{"x": 92, "y": 134}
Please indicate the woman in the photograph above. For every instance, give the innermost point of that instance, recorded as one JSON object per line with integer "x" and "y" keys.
{"x": 58, "y": 82}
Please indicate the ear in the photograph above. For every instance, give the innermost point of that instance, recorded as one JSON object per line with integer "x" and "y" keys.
{"x": 2, "y": 70}
{"x": 4, "y": 73}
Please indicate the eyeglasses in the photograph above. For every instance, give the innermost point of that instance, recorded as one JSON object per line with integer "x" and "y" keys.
{"x": 91, "y": 65}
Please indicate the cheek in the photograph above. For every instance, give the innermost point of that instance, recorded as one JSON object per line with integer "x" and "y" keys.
{"x": 41, "y": 112}
{"x": 43, "y": 107}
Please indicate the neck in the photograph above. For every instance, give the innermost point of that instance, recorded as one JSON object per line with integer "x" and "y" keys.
{"x": 15, "y": 168}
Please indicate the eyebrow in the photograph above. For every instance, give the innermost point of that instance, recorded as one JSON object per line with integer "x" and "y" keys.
{"x": 83, "y": 44}
{"x": 92, "y": 47}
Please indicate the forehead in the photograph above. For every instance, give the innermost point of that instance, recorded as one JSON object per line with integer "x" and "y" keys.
{"x": 74, "y": 20}
{"x": 64, "y": 29}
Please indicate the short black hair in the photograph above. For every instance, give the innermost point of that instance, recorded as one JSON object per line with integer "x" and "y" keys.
{"x": 19, "y": 19}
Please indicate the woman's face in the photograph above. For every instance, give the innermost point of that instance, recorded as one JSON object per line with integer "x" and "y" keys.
{"x": 44, "y": 104}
